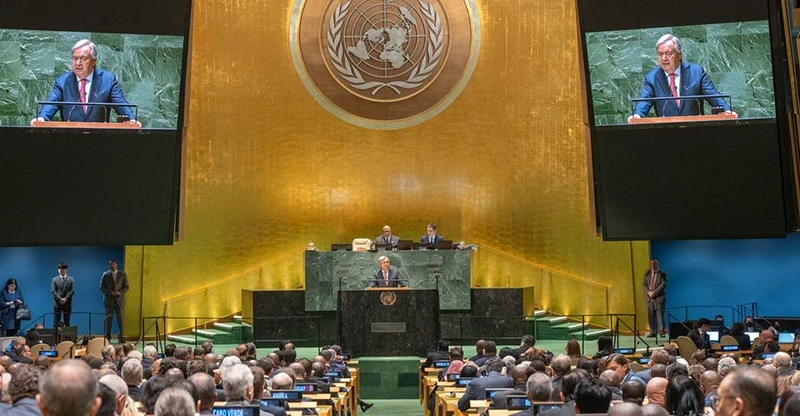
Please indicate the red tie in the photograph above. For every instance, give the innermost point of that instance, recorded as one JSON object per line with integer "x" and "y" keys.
{"x": 673, "y": 89}
{"x": 385, "y": 278}
{"x": 83, "y": 94}
{"x": 653, "y": 282}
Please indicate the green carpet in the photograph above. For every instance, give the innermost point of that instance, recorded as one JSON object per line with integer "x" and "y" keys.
{"x": 394, "y": 408}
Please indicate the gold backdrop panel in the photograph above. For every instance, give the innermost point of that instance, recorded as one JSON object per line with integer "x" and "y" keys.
{"x": 268, "y": 170}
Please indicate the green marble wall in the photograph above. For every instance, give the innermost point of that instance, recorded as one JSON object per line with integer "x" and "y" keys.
{"x": 148, "y": 67}
{"x": 736, "y": 56}
{"x": 324, "y": 269}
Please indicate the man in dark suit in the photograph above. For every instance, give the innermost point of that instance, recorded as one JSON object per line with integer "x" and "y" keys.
{"x": 700, "y": 336}
{"x": 114, "y": 284}
{"x": 476, "y": 389}
{"x": 441, "y": 354}
{"x": 387, "y": 238}
{"x": 654, "y": 284}
{"x": 430, "y": 236}
{"x": 63, "y": 289}
{"x": 85, "y": 83}
{"x": 386, "y": 276}
{"x": 519, "y": 376}
{"x": 676, "y": 78}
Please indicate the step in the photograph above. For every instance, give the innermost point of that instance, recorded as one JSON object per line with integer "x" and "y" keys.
{"x": 539, "y": 313}
{"x": 596, "y": 333}
{"x": 237, "y": 318}
{"x": 188, "y": 339}
{"x": 572, "y": 326}
{"x": 552, "y": 319}
{"x": 219, "y": 336}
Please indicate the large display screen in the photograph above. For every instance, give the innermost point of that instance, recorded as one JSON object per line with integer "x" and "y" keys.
{"x": 686, "y": 106}
{"x": 74, "y": 173}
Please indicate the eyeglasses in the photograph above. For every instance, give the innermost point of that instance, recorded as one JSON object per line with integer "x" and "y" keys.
{"x": 83, "y": 59}
{"x": 715, "y": 399}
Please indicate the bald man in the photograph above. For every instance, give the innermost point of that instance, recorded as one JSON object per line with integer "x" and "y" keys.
{"x": 656, "y": 391}
{"x": 519, "y": 375}
{"x": 625, "y": 409}
{"x": 709, "y": 383}
{"x": 746, "y": 391}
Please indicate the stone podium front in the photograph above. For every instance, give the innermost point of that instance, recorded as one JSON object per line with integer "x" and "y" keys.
{"x": 388, "y": 322}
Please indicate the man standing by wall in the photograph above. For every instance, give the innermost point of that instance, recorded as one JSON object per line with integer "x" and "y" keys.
{"x": 63, "y": 289}
{"x": 114, "y": 284}
{"x": 654, "y": 284}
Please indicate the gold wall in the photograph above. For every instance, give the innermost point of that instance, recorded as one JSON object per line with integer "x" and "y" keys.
{"x": 267, "y": 169}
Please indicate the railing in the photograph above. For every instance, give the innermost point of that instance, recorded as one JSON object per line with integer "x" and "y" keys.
{"x": 299, "y": 329}
{"x": 737, "y": 313}
{"x": 495, "y": 268}
{"x": 92, "y": 319}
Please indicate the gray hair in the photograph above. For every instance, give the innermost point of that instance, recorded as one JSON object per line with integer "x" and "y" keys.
{"x": 236, "y": 380}
{"x": 540, "y": 387}
{"x": 782, "y": 360}
{"x": 561, "y": 364}
{"x": 115, "y": 383}
{"x": 150, "y": 352}
{"x": 282, "y": 381}
{"x": 227, "y": 363}
{"x": 174, "y": 401}
{"x": 135, "y": 355}
{"x": 107, "y": 351}
{"x": 675, "y": 41}
{"x": 725, "y": 365}
{"x": 132, "y": 372}
{"x": 68, "y": 389}
{"x": 382, "y": 258}
{"x": 84, "y": 43}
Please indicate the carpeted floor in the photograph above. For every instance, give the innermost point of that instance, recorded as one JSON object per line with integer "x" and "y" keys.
{"x": 394, "y": 408}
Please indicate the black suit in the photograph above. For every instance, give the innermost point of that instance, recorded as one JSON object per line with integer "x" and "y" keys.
{"x": 476, "y": 389}
{"x": 500, "y": 400}
{"x": 392, "y": 281}
{"x": 436, "y": 356}
{"x": 425, "y": 239}
{"x": 62, "y": 288}
{"x": 655, "y": 305}
{"x": 115, "y": 305}
{"x": 702, "y": 341}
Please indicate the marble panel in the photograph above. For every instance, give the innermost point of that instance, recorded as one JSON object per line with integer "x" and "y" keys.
{"x": 496, "y": 314}
{"x": 326, "y": 271}
{"x": 279, "y": 315}
{"x": 416, "y": 310}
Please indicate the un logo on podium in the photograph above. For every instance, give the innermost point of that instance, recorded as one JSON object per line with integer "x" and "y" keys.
{"x": 385, "y": 64}
{"x": 388, "y": 298}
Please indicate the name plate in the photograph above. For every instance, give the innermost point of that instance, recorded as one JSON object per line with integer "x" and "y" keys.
{"x": 388, "y": 327}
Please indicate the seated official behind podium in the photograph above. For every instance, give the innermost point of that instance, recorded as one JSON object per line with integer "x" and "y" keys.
{"x": 387, "y": 238}
{"x": 386, "y": 276}
{"x": 85, "y": 83}
{"x": 676, "y": 78}
{"x": 430, "y": 236}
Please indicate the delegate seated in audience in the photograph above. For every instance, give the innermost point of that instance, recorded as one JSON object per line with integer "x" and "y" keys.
{"x": 619, "y": 364}
{"x": 258, "y": 392}
{"x": 23, "y": 388}
{"x": 175, "y": 401}
{"x": 69, "y": 388}
{"x": 591, "y": 396}
{"x": 709, "y": 383}
{"x": 560, "y": 365}
{"x": 238, "y": 384}
{"x": 737, "y": 332}
{"x": 789, "y": 402}
{"x": 700, "y": 335}
{"x": 539, "y": 389}
{"x": 519, "y": 376}
{"x": 479, "y": 346}
{"x": 633, "y": 392}
{"x": 476, "y": 389}
{"x": 659, "y": 356}
{"x": 441, "y": 354}
{"x": 612, "y": 381}
{"x": 568, "y": 385}
{"x": 746, "y": 391}
{"x": 206, "y": 391}
{"x": 605, "y": 347}
{"x": 684, "y": 397}
{"x": 574, "y": 349}
{"x": 657, "y": 391}
{"x": 489, "y": 350}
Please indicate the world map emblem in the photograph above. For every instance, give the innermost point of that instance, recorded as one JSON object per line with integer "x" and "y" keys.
{"x": 385, "y": 64}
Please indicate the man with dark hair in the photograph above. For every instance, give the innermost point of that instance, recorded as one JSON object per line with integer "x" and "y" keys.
{"x": 69, "y": 388}
{"x": 63, "y": 289}
{"x": 476, "y": 389}
{"x": 479, "y": 346}
{"x": 441, "y": 354}
{"x": 22, "y": 388}
{"x": 489, "y": 350}
{"x": 591, "y": 396}
{"x": 700, "y": 335}
{"x": 430, "y": 236}
{"x": 633, "y": 392}
{"x": 519, "y": 376}
{"x": 169, "y": 350}
{"x": 619, "y": 364}
{"x": 747, "y": 391}
{"x": 560, "y": 364}
{"x": 114, "y": 285}
{"x": 568, "y": 385}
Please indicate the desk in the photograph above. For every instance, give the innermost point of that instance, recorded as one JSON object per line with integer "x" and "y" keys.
{"x": 323, "y": 269}
{"x": 683, "y": 119}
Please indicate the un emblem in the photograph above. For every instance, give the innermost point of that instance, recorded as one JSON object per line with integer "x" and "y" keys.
{"x": 385, "y": 64}
{"x": 388, "y": 298}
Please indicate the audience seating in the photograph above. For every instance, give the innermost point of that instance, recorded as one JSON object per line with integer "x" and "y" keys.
{"x": 686, "y": 347}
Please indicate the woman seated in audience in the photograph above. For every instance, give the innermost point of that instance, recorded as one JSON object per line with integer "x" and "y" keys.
{"x": 605, "y": 346}
{"x": 456, "y": 362}
{"x": 573, "y": 349}
{"x": 684, "y": 397}
{"x": 737, "y": 331}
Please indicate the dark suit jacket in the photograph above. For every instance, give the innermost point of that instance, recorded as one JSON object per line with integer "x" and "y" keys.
{"x": 394, "y": 274}
{"x": 235, "y": 403}
{"x": 104, "y": 89}
{"x": 107, "y": 287}
{"x": 65, "y": 289}
{"x": 661, "y": 284}
{"x": 24, "y": 407}
{"x": 393, "y": 240}
{"x": 436, "y": 356}
{"x": 427, "y": 240}
{"x": 693, "y": 81}
{"x": 703, "y": 342}
{"x": 476, "y": 389}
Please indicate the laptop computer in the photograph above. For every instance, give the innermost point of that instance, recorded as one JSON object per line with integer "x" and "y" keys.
{"x": 753, "y": 335}
{"x": 785, "y": 338}
{"x": 405, "y": 245}
{"x": 713, "y": 336}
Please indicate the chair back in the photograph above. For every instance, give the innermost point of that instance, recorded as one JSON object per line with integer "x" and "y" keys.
{"x": 64, "y": 349}
{"x": 96, "y": 345}
{"x": 686, "y": 347}
{"x": 38, "y": 348}
{"x": 361, "y": 244}
{"x": 728, "y": 340}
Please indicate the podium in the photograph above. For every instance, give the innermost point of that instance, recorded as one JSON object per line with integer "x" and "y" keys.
{"x": 388, "y": 322}
{"x": 85, "y": 125}
{"x": 683, "y": 119}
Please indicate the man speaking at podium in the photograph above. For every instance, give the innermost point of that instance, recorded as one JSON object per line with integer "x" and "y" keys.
{"x": 675, "y": 78}
{"x": 386, "y": 276}
{"x": 85, "y": 83}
